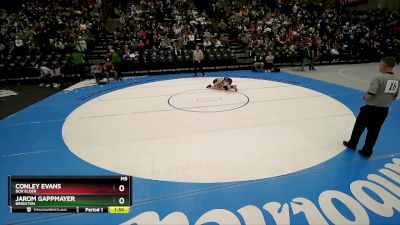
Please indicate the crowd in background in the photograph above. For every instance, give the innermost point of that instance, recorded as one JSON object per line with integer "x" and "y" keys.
{"x": 287, "y": 31}
{"x": 166, "y": 25}
{"x": 46, "y": 26}
{"x": 34, "y": 33}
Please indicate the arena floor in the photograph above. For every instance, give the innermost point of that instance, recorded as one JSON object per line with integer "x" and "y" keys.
{"x": 271, "y": 153}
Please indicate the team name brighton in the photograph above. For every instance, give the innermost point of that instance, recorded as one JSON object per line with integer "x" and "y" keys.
{"x": 31, "y": 188}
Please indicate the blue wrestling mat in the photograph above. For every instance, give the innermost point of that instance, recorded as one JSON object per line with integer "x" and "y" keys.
{"x": 346, "y": 189}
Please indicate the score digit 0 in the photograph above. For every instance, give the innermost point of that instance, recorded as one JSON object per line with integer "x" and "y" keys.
{"x": 121, "y": 188}
{"x": 121, "y": 201}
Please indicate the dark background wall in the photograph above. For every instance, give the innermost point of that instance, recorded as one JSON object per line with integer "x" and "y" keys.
{"x": 381, "y": 4}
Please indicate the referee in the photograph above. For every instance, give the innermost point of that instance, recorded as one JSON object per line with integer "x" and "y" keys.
{"x": 381, "y": 93}
{"x": 198, "y": 58}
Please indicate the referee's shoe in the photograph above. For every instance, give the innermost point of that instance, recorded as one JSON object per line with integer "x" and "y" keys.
{"x": 363, "y": 153}
{"x": 347, "y": 144}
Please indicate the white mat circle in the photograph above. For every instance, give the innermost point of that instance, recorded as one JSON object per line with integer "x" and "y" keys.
{"x": 134, "y": 131}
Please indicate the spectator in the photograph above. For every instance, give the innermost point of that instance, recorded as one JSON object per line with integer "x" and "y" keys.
{"x": 141, "y": 45}
{"x": 59, "y": 45}
{"x": 178, "y": 50}
{"x": 97, "y": 71}
{"x": 133, "y": 56}
{"x": 57, "y": 76}
{"x": 258, "y": 63}
{"x": 109, "y": 70}
{"x": 126, "y": 57}
{"x": 81, "y": 46}
{"x": 269, "y": 62}
{"x": 116, "y": 63}
{"x": 313, "y": 56}
{"x": 218, "y": 43}
{"x": 83, "y": 27}
{"x": 198, "y": 58}
{"x": 45, "y": 74}
{"x": 294, "y": 9}
{"x": 206, "y": 34}
{"x": 78, "y": 62}
{"x": 222, "y": 25}
{"x": 165, "y": 43}
{"x": 191, "y": 39}
{"x": 335, "y": 54}
{"x": 122, "y": 20}
{"x": 2, "y": 50}
{"x": 304, "y": 55}
{"x": 19, "y": 44}
{"x": 207, "y": 43}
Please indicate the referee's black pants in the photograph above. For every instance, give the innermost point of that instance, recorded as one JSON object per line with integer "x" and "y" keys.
{"x": 372, "y": 118}
{"x": 198, "y": 66}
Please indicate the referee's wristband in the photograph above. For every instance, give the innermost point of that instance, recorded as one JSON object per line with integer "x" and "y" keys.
{"x": 369, "y": 93}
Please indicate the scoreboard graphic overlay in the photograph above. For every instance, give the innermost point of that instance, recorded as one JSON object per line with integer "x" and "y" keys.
{"x": 101, "y": 194}
{"x": 40, "y": 172}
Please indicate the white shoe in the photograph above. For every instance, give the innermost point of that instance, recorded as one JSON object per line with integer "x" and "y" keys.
{"x": 56, "y": 85}
{"x": 47, "y": 85}
{"x": 41, "y": 85}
